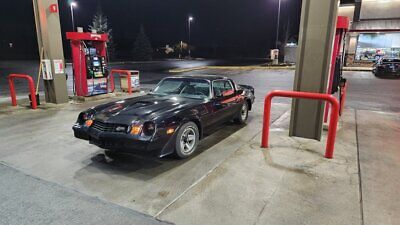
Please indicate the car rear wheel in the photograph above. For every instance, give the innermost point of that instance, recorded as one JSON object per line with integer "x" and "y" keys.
{"x": 243, "y": 114}
{"x": 187, "y": 140}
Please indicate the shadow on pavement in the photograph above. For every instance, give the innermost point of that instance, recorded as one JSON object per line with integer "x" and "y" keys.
{"x": 145, "y": 166}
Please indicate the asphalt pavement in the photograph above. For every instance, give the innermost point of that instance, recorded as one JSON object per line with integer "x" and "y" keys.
{"x": 151, "y": 72}
{"x": 366, "y": 92}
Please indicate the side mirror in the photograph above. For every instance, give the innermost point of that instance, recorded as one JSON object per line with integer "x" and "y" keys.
{"x": 239, "y": 92}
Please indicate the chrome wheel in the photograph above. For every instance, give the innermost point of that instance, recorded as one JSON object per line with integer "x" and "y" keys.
{"x": 188, "y": 140}
{"x": 244, "y": 112}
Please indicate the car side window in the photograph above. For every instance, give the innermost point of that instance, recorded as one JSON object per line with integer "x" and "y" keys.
{"x": 221, "y": 87}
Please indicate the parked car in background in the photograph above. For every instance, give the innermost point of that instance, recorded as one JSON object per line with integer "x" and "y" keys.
{"x": 387, "y": 67}
{"x": 170, "y": 119}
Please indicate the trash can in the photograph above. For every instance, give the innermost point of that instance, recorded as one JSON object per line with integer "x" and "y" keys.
{"x": 135, "y": 84}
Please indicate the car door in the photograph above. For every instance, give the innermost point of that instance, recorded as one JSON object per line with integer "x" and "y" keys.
{"x": 224, "y": 100}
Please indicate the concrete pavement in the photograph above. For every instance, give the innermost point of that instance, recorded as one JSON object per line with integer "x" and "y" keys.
{"x": 379, "y": 150}
{"x": 290, "y": 183}
{"x": 146, "y": 185}
{"x": 29, "y": 200}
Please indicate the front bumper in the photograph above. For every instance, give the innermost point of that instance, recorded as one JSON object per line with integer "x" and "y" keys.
{"x": 119, "y": 141}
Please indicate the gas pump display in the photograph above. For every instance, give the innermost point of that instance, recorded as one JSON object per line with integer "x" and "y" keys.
{"x": 96, "y": 72}
{"x": 89, "y": 63}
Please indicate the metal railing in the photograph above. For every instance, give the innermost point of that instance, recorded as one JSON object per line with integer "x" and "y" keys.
{"x": 334, "y": 118}
{"x": 11, "y": 78}
{"x": 128, "y": 78}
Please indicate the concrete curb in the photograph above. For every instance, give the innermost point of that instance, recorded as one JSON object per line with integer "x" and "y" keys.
{"x": 187, "y": 69}
{"x": 369, "y": 69}
{"x": 233, "y": 68}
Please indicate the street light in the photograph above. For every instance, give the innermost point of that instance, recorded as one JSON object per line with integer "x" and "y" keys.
{"x": 277, "y": 26}
{"x": 73, "y": 5}
{"x": 190, "y": 20}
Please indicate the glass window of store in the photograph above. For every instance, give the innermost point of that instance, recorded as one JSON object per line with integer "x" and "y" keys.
{"x": 372, "y": 46}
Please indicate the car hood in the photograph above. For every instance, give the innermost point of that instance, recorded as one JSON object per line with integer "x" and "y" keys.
{"x": 143, "y": 108}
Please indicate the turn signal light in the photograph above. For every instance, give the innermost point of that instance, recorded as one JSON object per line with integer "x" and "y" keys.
{"x": 89, "y": 123}
{"x": 170, "y": 131}
{"x": 135, "y": 129}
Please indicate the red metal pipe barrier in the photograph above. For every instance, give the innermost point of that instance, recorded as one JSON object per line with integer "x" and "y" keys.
{"x": 11, "y": 78}
{"x": 304, "y": 95}
{"x": 111, "y": 82}
{"x": 343, "y": 98}
{"x": 128, "y": 78}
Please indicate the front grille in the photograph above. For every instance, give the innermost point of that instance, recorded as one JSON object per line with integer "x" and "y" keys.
{"x": 107, "y": 127}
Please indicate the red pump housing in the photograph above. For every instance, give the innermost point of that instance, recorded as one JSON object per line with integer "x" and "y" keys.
{"x": 89, "y": 60}
{"x": 342, "y": 27}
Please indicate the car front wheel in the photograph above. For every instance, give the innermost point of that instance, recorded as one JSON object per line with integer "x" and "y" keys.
{"x": 187, "y": 140}
{"x": 243, "y": 114}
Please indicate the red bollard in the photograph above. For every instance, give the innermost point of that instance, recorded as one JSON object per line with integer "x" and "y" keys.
{"x": 128, "y": 78}
{"x": 32, "y": 91}
{"x": 12, "y": 91}
{"x": 330, "y": 145}
{"x": 266, "y": 120}
{"x": 343, "y": 98}
{"x": 111, "y": 82}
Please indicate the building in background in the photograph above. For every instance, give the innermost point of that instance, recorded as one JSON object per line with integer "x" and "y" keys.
{"x": 375, "y": 30}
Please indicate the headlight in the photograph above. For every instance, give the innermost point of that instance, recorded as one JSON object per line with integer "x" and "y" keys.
{"x": 83, "y": 117}
{"x": 146, "y": 129}
{"x": 87, "y": 116}
{"x": 149, "y": 128}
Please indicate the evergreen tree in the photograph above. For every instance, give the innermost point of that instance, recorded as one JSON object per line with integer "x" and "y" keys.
{"x": 101, "y": 25}
{"x": 142, "y": 50}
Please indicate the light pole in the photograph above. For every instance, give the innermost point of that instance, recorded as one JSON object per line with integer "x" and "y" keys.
{"x": 190, "y": 20}
{"x": 277, "y": 26}
{"x": 73, "y": 5}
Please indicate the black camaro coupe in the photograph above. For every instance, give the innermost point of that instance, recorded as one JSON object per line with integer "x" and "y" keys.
{"x": 170, "y": 119}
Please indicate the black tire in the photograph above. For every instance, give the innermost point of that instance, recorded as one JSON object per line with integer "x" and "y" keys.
{"x": 185, "y": 146}
{"x": 243, "y": 114}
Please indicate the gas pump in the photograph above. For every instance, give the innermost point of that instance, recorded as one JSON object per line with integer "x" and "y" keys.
{"x": 89, "y": 63}
{"x": 336, "y": 79}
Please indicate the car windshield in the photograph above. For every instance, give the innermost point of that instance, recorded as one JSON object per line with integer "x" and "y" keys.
{"x": 184, "y": 87}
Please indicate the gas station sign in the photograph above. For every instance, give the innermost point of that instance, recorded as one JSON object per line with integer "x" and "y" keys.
{"x": 53, "y": 8}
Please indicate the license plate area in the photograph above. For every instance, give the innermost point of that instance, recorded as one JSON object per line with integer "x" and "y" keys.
{"x": 95, "y": 133}
{"x": 97, "y": 142}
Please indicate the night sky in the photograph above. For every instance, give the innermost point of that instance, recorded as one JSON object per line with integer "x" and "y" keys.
{"x": 222, "y": 28}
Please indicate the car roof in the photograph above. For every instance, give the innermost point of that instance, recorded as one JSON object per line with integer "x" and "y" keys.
{"x": 205, "y": 77}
